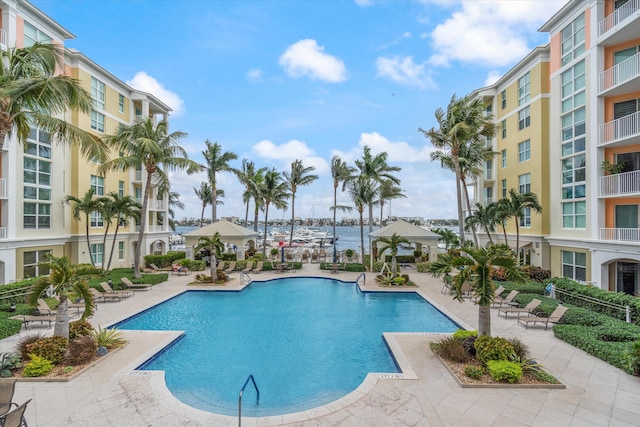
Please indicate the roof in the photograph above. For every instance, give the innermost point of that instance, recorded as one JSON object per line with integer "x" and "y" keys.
{"x": 225, "y": 228}
{"x": 405, "y": 229}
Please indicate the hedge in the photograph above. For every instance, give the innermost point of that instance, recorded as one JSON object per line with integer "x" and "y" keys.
{"x": 163, "y": 260}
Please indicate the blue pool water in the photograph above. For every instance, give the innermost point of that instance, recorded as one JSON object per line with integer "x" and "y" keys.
{"x": 307, "y": 342}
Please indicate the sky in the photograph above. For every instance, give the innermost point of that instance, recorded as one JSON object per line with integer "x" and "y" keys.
{"x": 275, "y": 81}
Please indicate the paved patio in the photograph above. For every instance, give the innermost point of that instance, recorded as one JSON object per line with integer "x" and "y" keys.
{"x": 113, "y": 394}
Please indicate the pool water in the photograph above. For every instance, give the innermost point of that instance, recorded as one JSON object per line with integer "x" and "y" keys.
{"x": 307, "y": 342}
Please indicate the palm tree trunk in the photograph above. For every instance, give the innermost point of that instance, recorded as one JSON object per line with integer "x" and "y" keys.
{"x": 204, "y": 205}
{"x": 115, "y": 236}
{"x": 456, "y": 169}
{"x": 293, "y": 212}
{"x": 394, "y": 266}
{"x": 61, "y": 328}
{"x": 143, "y": 224}
{"x": 517, "y": 240}
{"x": 213, "y": 262}
{"x": 466, "y": 197}
{"x": 370, "y": 218}
{"x": 504, "y": 231}
{"x": 88, "y": 242}
{"x": 335, "y": 203}
{"x": 362, "y": 237}
{"x": 381, "y": 211}
{"x": 246, "y": 215}
{"x": 486, "y": 229}
{"x": 104, "y": 242}
{"x": 266, "y": 221}
{"x": 484, "y": 320}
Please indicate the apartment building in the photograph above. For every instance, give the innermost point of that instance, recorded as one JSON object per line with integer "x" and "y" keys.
{"x": 35, "y": 179}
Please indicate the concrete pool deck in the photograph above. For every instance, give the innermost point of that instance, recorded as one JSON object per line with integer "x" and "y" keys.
{"x": 112, "y": 393}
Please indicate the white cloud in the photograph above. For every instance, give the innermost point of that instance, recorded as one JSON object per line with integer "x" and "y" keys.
{"x": 307, "y": 58}
{"x": 492, "y": 77}
{"x": 254, "y": 75}
{"x": 490, "y": 32}
{"x": 288, "y": 152}
{"x": 145, "y": 83}
{"x": 364, "y": 3}
{"x": 404, "y": 71}
{"x": 398, "y": 151}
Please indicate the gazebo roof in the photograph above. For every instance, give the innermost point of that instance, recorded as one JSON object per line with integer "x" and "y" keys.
{"x": 407, "y": 230}
{"x": 225, "y": 228}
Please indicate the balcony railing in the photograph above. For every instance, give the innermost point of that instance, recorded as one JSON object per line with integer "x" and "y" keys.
{"x": 619, "y": 15}
{"x": 137, "y": 176}
{"x": 154, "y": 205}
{"x": 3, "y": 37}
{"x": 621, "y": 128}
{"x": 620, "y": 234}
{"x": 154, "y": 228}
{"x": 3, "y": 232}
{"x": 3, "y": 188}
{"x": 488, "y": 174}
{"x": 620, "y": 73}
{"x": 620, "y": 184}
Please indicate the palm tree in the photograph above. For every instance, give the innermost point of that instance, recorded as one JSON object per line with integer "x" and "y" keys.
{"x": 520, "y": 204}
{"x": 362, "y": 190}
{"x": 341, "y": 172}
{"x": 173, "y": 202}
{"x": 247, "y": 175}
{"x": 204, "y": 194}
{"x": 299, "y": 175}
{"x": 481, "y": 217}
{"x": 123, "y": 209}
{"x": 474, "y": 266}
{"x": 149, "y": 146}
{"x": 463, "y": 123}
{"x": 501, "y": 211}
{"x": 216, "y": 161}
{"x": 87, "y": 205}
{"x": 65, "y": 279}
{"x": 215, "y": 246}
{"x": 392, "y": 244}
{"x": 273, "y": 190}
{"x": 388, "y": 191}
{"x": 447, "y": 236}
{"x": 30, "y": 95}
{"x": 376, "y": 168}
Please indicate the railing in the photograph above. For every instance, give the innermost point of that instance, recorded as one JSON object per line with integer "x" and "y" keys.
{"x": 619, "y": 15}
{"x": 153, "y": 228}
{"x": 623, "y": 127}
{"x": 250, "y": 378}
{"x": 620, "y": 183}
{"x": 620, "y": 73}
{"x": 364, "y": 279}
{"x": 3, "y": 188}
{"x": 3, "y": 232}
{"x": 488, "y": 174}
{"x": 620, "y": 234}
{"x": 137, "y": 176}
{"x": 592, "y": 300}
{"x": 3, "y": 37}
{"x": 157, "y": 205}
{"x": 244, "y": 276}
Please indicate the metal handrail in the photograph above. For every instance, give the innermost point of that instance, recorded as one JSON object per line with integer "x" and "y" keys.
{"x": 242, "y": 276}
{"x": 250, "y": 377}
{"x": 364, "y": 280}
{"x": 593, "y": 300}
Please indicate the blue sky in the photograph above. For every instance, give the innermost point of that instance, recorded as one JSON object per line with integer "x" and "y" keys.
{"x": 280, "y": 80}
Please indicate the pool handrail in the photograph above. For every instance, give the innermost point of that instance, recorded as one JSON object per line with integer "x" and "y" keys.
{"x": 250, "y": 377}
{"x": 242, "y": 277}
{"x": 364, "y": 279}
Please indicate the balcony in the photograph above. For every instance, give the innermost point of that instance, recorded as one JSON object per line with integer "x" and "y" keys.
{"x": 621, "y": 184}
{"x": 488, "y": 174}
{"x": 3, "y": 233}
{"x": 621, "y": 25}
{"x": 621, "y": 78}
{"x": 620, "y": 234}
{"x": 3, "y": 39}
{"x": 137, "y": 176}
{"x": 625, "y": 130}
{"x": 154, "y": 205}
{"x": 3, "y": 188}
{"x": 154, "y": 228}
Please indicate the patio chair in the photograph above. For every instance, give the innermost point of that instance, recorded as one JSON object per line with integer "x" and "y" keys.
{"x": 553, "y": 318}
{"x": 7, "y": 388}
{"x": 314, "y": 257}
{"x": 248, "y": 267}
{"x": 43, "y": 308}
{"x": 258, "y": 267}
{"x": 179, "y": 269}
{"x": 104, "y": 296}
{"x": 508, "y": 300}
{"x": 108, "y": 289}
{"x": 78, "y": 306}
{"x": 231, "y": 268}
{"x": 128, "y": 284}
{"x": 335, "y": 268}
{"x": 322, "y": 256}
{"x": 527, "y": 309}
{"x": 28, "y": 319}
{"x": 305, "y": 256}
{"x": 155, "y": 268}
{"x": 15, "y": 418}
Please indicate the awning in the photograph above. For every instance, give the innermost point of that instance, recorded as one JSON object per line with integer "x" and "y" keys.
{"x": 523, "y": 244}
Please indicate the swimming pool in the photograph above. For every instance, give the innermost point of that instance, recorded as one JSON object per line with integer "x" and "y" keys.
{"x": 307, "y": 342}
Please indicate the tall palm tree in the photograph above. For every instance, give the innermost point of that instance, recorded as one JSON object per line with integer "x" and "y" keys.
{"x": 388, "y": 191}
{"x": 273, "y": 190}
{"x": 254, "y": 192}
{"x": 376, "y": 168}
{"x": 150, "y": 146}
{"x": 341, "y": 172}
{"x": 362, "y": 190}
{"x": 204, "y": 194}
{"x": 87, "y": 205}
{"x": 299, "y": 176}
{"x": 520, "y": 203}
{"x": 481, "y": 217}
{"x": 216, "y": 161}
{"x": 65, "y": 279}
{"x": 392, "y": 244}
{"x": 463, "y": 123}
{"x": 215, "y": 245}
{"x": 474, "y": 266}
{"x": 31, "y": 94}
{"x": 448, "y": 237}
{"x": 123, "y": 208}
{"x": 173, "y": 203}
{"x": 248, "y": 177}
{"x": 501, "y": 212}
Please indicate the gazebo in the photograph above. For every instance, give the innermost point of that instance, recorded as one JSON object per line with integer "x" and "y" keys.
{"x": 233, "y": 235}
{"x": 413, "y": 233}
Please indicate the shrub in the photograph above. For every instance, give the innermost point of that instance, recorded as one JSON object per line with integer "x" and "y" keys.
{"x": 537, "y": 274}
{"x": 463, "y": 333}
{"x": 632, "y": 357}
{"x": 21, "y": 346}
{"x": 452, "y": 349}
{"x": 193, "y": 265}
{"x": 469, "y": 344}
{"x": 81, "y": 350}
{"x": 492, "y": 348}
{"x": 399, "y": 281}
{"x": 475, "y": 372}
{"x": 51, "y": 348}
{"x": 519, "y": 348}
{"x": 528, "y": 287}
{"x": 503, "y": 370}
{"x": 37, "y": 367}
{"x": 163, "y": 260}
{"x": 79, "y": 328}
{"x": 108, "y": 337}
{"x": 8, "y": 362}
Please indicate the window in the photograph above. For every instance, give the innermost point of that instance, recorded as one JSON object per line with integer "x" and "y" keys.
{"x": 573, "y": 177}
{"x": 574, "y": 265}
{"x": 38, "y": 144}
{"x": 31, "y": 263}
{"x": 503, "y": 96}
{"x": 37, "y": 215}
{"x": 121, "y": 103}
{"x": 32, "y": 35}
{"x": 120, "y": 251}
{"x": 36, "y": 178}
{"x": 524, "y": 183}
{"x": 573, "y": 132}
{"x": 488, "y": 195}
{"x": 503, "y": 153}
{"x": 524, "y": 118}
{"x": 504, "y": 188}
{"x": 97, "y": 121}
{"x": 525, "y": 218}
{"x": 573, "y": 44}
{"x": 574, "y": 215}
{"x": 488, "y": 167}
{"x": 524, "y": 151}
{"x": 96, "y": 219}
{"x": 121, "y": 188}
{"x": 573, "y": 87}
{"x": 96, "y": 252}
{"x": 524, "y": 89}
{"x": 97, "y": 185}
{"x": 503, "y": 125}
{"x": 97, "y": 93}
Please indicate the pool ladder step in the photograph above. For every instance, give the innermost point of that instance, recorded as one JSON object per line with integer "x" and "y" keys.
{"x": 249, "y": 378}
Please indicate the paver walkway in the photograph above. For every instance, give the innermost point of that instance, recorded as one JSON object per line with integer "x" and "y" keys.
{"x": 112, "y": 393}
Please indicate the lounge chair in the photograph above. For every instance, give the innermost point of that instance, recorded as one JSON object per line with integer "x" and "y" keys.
{"x": 248, "y": 267}
{"x": 305, "y": 256}
{"x": 155, "y": 268}
{"x": 104, "y": 296}
{"x": 322, "y": 256}
{"x": 527, "y": 309}
{"x": 78, "y": 306}
{"x": 108, "y": 289}
{"x": 43, "y": 308}
{"x": 258, "y": 268}
{"x": 335, "y": 268}
{"x": 508, "y": 300}
{"x": 27, "y": 319}
{"x": 15, "y": 418}
{"x": 179, "y": 270}
{"x": 314, "y": 257}
{"x": 553, "y": 318}
{"x": 7, "y": 388}
{"x": 231, "y": 268}
{"x": 128, "y": 284}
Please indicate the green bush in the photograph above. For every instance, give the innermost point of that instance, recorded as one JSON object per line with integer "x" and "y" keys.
{"x": 528, "y": 287}
{"x": 422, "y": 267}
{"x": 475, "y": 372}
{"x": 463, "y": 333}
{"x": 503, "y": 370}
{"x": 51, "y": 348}
{"x": 79, "y": 328}
{"x": 164, "y": 260}
{"x": 37, "y": 367}
{"x": 520, "y": 349}
{"x": 8, "y": 362}
{"x": 492, "y": 348}
{"x": 399, "y": 281}
{"x": 108, "y": 337}
{"x": 536, "y": 274}
{"x": 21, "y": 346}
{"x": 632, "y": 358}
